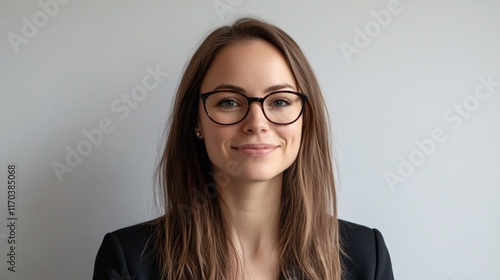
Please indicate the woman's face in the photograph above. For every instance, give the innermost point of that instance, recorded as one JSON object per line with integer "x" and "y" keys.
{"x": 253, "y": 149}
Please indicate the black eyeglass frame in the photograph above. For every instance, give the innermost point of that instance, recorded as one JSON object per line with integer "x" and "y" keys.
{"x": 261, "y": 100}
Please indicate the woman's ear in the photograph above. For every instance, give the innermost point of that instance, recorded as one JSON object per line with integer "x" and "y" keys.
{"x": 198, "y": 132}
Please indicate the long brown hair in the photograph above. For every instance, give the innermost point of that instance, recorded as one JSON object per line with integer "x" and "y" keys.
{"x": 191, "y": 242}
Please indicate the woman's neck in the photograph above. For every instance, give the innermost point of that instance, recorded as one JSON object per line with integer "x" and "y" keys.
{"x": 252, "y": 210}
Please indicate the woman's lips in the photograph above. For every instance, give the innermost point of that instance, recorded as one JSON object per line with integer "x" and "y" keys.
{"x": 256, "y": 149}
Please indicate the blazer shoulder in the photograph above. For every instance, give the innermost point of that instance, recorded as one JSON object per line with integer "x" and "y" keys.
{"x": 127, "y": 252}
{"x": 365, "y": 255}
{"x": 136, "y": 234}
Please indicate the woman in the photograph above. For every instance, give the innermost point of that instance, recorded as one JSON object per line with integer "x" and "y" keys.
{"x": 246, "y": 178}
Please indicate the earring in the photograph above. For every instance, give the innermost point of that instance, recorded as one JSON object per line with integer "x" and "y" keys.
{"x": 198, "y": 134}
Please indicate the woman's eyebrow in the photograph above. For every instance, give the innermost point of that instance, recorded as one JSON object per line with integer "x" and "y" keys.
{"x": 279, "y": 87}
{"x": 230, "y": 87}
{"x": 269, "y": 89}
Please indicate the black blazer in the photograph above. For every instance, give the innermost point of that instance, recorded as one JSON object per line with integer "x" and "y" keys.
{"x": 125, "y": 254}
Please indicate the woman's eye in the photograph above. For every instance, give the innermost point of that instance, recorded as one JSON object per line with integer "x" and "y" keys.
{"x": 280, "y": 103}
{"x": 227, "y": 103}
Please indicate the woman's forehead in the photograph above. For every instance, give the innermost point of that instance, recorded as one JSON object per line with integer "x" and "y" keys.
{"x": 253, "y": 65}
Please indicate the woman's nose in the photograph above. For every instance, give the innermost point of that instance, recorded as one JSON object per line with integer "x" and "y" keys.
{"x": 255, "y": 121}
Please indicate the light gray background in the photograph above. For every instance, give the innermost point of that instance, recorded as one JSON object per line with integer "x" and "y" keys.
{"x": 442, "y": 222}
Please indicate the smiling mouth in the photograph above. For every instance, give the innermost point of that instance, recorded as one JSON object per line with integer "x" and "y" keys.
{"x": 256, "y": 150}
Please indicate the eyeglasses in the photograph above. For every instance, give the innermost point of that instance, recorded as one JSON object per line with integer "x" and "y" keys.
{"x": 227, "y": 107}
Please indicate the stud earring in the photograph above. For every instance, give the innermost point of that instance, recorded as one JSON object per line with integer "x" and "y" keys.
{"x": 198, "y": 134}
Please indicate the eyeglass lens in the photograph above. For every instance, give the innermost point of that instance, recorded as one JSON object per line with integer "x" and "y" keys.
{"x": 231, "y": 107}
